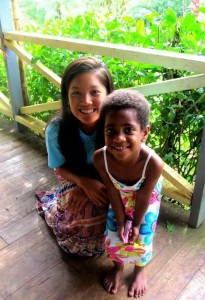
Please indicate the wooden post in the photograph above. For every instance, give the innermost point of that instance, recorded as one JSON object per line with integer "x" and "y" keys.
{"x": 197, "y": 215}
{"x": 21, "y": 62}
{"x": 11, "y": 62}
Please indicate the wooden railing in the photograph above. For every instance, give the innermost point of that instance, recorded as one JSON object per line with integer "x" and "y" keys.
{"x": 174, "y": 186}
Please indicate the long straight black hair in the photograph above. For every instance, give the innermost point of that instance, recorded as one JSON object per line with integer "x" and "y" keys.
{"x": 70, "y": 143}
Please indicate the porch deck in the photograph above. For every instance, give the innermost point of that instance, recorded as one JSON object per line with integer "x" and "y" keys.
{"x": 33, "y": 267}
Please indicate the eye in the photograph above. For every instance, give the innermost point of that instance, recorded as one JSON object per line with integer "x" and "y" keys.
{"x": 129, "y": 130}
{"x": 75, "y": 93}
{"x": 95, "y": 92}
{"x": 109, "y": 131}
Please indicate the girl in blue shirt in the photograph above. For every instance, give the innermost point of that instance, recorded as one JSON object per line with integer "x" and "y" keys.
{"x": 76, "y": 210}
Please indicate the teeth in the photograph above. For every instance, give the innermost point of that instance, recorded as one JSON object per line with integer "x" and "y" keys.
{"x": 120, "y": 148}
{"x": 87, "y": 111}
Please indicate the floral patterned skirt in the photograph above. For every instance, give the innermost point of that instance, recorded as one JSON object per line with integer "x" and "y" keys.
{"x": 140, "y": 252}
{"x": 80, "y": 233}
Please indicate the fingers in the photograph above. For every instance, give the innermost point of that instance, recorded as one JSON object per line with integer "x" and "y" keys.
{"x": 75, "y": 206}
{"x": 71, "y": 206}
{"x": 121, "y": 233}
{"x": 133, "y": 238}
{"x": 101, "y": 197}
{"x": 80, "y": 205}
{"x": 98, "y": 200}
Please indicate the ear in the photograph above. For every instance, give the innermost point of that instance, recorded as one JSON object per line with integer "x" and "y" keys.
{"x": 145, "y": 133}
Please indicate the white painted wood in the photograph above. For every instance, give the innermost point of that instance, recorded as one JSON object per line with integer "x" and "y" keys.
{"x": 197, "y": 215}
{"x": 167, "y": 59}
{"x": 11, "y": 62}
{"x": 172, "y": 85}
{"x": 4, "y": 110}
{"x": 41, "y": 107}
{"x": 38, "y": 66}
{"x": 5, "y": 101}
{"x": 32, "y": 123}
{"x": 178, "y": 181}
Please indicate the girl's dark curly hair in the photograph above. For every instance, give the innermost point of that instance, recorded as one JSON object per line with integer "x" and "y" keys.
{"x": 127, "y": 99}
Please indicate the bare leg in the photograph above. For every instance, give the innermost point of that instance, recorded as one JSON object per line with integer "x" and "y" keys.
{"x": 112, "y": 280}
{"x": 138, "y": 285}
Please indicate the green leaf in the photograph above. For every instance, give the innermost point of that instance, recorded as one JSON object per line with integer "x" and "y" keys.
{"x": 34, "y": 60}
{"x": 170, "y": 227}
{"x": 202, "y": 10}
{"x": 170, "y": 17}
{"x": 140, "y": 27}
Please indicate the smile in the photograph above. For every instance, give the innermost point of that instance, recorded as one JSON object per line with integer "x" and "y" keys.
{"x": 119, "y": 148}
{"x": 87, "y": 111}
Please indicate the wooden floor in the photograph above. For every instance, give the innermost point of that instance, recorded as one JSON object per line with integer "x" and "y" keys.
{"x": 33, "y": 267}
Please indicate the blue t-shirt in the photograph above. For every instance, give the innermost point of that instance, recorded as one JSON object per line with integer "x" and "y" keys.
{"x": 55, "y": 156}
{"x": 89, "y": 144}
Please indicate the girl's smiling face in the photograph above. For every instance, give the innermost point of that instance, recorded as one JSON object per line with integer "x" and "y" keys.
{"x": 86, "y": 93}
{"x": 123, "y": 133}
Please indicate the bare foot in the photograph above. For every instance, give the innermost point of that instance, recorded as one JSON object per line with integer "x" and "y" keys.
{"x": 112, "y": 280}
{"x": 138, "y": 285}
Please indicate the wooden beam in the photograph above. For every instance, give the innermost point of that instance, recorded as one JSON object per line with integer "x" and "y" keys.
{"x": 172, "y": 85}
{"x": 170, "y": 191}
{"x": 11, "y": 62}
{"x": 32, "y": 123}
{"x": 38, "y": 66}
{"x": 167, "y": 59}
{"x": 6, "y": 111}
{"x": 197, "y": 215}
{"x": 5, "y": 101}
{"x": 178, "y": 181}
{"x": 41, "y": 107}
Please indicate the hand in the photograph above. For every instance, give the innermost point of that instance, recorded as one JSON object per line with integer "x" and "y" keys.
{"x": 76, "y": 199}
{"x": 121, "y": 231}
{"x": 95, "y": 191}
{"x": 134, "y": 234}
{"x": 125, "y": 232}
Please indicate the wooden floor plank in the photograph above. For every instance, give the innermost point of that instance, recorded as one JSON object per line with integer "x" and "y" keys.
{"x": 20, "y": 228}
{"x": 50, "y": 280}
{"x": 194, "y": 289}
{"x": 184, "y": 265}
{"x": 37, "y": 236}
{"x": 2, "y": 243}
{"x": 25, "y": 258}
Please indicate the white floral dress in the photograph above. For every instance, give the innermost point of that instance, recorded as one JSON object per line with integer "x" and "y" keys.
{"x": 141, "y": 252}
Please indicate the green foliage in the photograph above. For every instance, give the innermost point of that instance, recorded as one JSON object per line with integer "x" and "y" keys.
{"x": 176, "y": 118}
{"x": 170, "y": 227}
{"x": 3, "y": 77}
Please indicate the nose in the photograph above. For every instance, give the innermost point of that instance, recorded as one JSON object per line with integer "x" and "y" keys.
{"x": 119, "y": 137}
{"x": 87, "y": 99}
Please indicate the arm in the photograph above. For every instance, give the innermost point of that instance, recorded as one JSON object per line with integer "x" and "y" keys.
{"x": 153, "y": 172}
{"x": 92, "y": 188}
{"x": 87, "y": 188}
{"x": 112, "y": 192}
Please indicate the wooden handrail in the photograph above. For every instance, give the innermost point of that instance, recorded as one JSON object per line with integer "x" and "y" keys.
{"x": 167, "y": 59}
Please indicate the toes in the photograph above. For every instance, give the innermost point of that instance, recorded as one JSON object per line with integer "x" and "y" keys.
{"x": 139, "y": 294}
{"x": 136, "y": 294}
{"x": 106, "y": 285}
{"x": 113, "y": 291}
{"x": 131, "y": 293}
{"x": 109, "y": 287}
